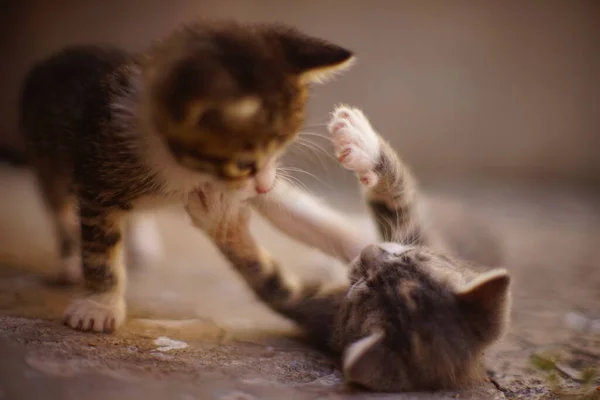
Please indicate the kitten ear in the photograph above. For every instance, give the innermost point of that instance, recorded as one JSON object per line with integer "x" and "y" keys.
{"x": 315, "y": 60}
{"x": 488, "y": 291}
{"x": 486, "y": 300}
{"x": 362, "y": 357}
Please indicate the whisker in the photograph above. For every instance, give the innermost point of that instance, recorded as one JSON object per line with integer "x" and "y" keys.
{"x": 295, "y": 169}
{"x": 315, "y": 126}
{"x": 315, "y": 148}
{"x": 320, "y": 135}
{"x": 297, "y": 183}
{"x": 316, "y": 153}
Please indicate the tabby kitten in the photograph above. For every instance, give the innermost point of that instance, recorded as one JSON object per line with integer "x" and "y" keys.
{"x": 109, "y": 132}
{"x": 411, "y": 317}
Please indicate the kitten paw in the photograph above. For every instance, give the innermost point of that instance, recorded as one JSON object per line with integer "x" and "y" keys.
{"x": 98, "y": 313}
{"x": 355, "y": 143}
{"x": 216, "y": 212}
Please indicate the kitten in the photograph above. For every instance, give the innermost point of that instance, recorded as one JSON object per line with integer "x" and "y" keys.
{"x": 108, "y": 132}
{"x": 411, "y": 317}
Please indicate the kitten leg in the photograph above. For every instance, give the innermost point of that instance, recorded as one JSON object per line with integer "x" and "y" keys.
{"x": 66, "y": 220}
{"x": 390, "y": 189}
{"x": 143, "y": 242}
{"x": 62, "y": 205}
{"x": 310, "y": 221}
{"x": 227, "y": 223}
{"x": 103, "y": 309}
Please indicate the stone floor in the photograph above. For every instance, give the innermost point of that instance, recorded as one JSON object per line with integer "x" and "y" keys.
{"x": 237, "y": 349}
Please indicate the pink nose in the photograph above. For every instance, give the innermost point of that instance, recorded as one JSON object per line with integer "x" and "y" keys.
{"x": 262, "y": 189}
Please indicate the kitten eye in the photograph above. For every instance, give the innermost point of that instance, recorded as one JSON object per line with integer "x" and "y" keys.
{"x": 209, "y": 118}
{"x": 248, "y": 166}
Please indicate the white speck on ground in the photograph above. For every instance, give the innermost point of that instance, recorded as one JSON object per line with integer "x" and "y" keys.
{"x": 166, "y": 344}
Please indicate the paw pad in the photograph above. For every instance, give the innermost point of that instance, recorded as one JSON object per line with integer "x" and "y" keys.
{"x": 355, "y": 143}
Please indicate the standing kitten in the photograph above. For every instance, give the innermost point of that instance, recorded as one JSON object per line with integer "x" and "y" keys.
{"x": 109, "y": 132}
{"x": 412, "y": 318}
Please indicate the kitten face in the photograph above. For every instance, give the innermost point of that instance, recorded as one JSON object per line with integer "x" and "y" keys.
{"x": 411, "y": 320}
{"x": 229, "y": 98}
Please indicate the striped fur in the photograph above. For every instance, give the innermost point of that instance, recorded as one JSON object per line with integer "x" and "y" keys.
{"x": 412, "y": 317}
{"x": 108, "y": 132}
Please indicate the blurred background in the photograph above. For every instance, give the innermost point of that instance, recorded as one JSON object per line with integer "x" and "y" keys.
{"x": 465, "y": 89}
{"x": 494, "y": 104}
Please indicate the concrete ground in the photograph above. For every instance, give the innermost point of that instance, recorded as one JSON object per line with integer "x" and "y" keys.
{"x": 235, "y": 348}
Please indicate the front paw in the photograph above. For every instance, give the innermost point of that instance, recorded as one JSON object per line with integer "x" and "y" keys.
{"x": 103, "y": 312}
{"x": 215, "y": 212}
{"x": 355, "y": 143}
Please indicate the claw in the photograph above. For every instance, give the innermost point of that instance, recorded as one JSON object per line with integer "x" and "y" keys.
{"x": 344, "y": 154}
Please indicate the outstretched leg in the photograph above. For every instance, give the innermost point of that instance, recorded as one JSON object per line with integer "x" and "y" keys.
{"x": 390, "y": 189}
{"x": 227, "y": 223}
{"x": 310, "y": 221}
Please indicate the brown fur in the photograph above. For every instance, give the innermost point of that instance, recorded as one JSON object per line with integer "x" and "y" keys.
{"x": 198, "y": 72}
{"x": 108, "y": 131}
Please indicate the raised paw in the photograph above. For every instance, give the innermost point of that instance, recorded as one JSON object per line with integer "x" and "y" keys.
{"x": 355, "y": 143}
{"x": 98, "y": 313}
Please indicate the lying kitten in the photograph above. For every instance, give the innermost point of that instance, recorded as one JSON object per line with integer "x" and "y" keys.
{"x": 412, "y": 317}
{"x": 109, "y": 132}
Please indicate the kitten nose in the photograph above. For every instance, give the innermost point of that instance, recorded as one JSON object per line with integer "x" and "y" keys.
{"x": 262, "y": 189}
{"x": 371, "y": 253}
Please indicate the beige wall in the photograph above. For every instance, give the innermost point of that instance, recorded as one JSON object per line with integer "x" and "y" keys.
{"x": 491, "y": 88}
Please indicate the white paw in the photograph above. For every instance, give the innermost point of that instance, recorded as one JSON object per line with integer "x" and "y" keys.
{"x": 206, "y": 208}
{"x": 99, "y": 313}
{"x": 355, "y": 143}
{"x": 216, "y": 211}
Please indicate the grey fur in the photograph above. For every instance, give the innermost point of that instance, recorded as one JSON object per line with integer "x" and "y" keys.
{"x": 411, "y": 319}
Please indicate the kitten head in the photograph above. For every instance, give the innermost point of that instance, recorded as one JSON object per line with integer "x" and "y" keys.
{"x": 228, "y": 98}
{"x": 413, "y": 320}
